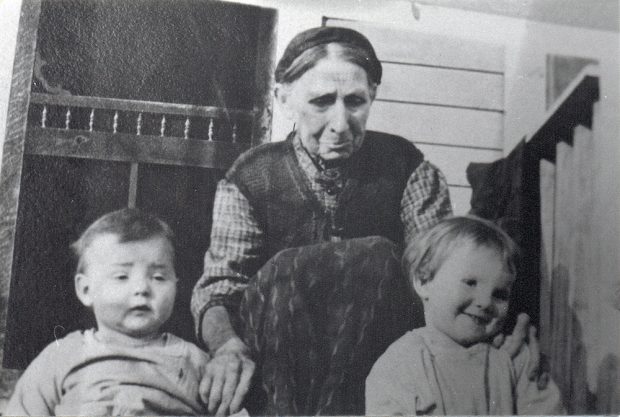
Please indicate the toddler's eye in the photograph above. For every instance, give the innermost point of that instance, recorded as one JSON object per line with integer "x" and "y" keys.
{"x": 470, "y": 282}
{"x": 121, "y": 277}
{"x": 503, "y": 295}
{"x": 159, "y": 277}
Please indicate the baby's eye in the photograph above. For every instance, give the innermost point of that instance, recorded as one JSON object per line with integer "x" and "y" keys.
{"x": 121, "y": 277}
{"x": 159, "y": 277}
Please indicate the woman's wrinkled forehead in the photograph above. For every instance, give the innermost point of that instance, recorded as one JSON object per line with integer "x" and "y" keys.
{"x": 314, "y": 44}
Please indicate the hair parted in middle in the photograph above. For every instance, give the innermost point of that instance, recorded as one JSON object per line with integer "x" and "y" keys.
{"x": 427, "y": 252}
{"x": 310, "y": 46}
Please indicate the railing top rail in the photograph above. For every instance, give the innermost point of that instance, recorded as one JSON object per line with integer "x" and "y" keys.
{"x": 573, "y": 107}
{"x": 573, "y": 101}
{"x": 140, "y": 106}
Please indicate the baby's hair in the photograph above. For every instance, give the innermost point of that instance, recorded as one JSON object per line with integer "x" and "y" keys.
{"x": 427, "y": 252}
{"x": 129, "y": 224}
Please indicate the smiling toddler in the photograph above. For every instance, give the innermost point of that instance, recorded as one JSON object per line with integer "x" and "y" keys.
{"x": 127, "y": 365}
{"x": 463, "y": 269}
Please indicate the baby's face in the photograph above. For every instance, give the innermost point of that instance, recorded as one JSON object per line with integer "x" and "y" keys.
{"x": 468, "y": 297}
{"x": 130, "y": 286}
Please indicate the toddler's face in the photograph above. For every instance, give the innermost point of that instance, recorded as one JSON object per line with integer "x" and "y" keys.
{"x": 131, "y": 286}
{"x": 468, "y": 297}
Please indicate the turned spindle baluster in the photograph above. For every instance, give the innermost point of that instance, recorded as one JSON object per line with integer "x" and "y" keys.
{"x": 67, "y": 118}
{"x": 210, "y": 129}
{"x": 139, "y": 125}
{"x": 162, "y": 130}
{"x": 115, "y": 122}
{"x": 234, "y": 133}
{"x": 44, "y": 117}
{"x": 91, "y": 120}
{"x": 186, "y": 130}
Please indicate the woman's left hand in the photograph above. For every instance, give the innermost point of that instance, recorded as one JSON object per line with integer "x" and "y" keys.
{"x": 525, "y": 333}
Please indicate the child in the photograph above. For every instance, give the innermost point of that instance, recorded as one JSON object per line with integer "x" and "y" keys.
{"x": 463, "y": 270}
{"x": 127, "y": 366}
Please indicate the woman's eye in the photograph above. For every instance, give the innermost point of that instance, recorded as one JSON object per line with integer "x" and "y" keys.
{"x": 322, "y": 101}
{"x": 159, "y": 277}
{"x": 355, "y": 101}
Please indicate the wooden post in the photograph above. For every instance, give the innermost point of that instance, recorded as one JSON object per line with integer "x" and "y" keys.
{"x": 265, "y": 67}
{"x": 12, "y": 162}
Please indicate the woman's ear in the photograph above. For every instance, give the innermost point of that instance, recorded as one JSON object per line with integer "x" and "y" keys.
{"x": 282, "y": 94}
{"x": 82, "y": 289}
{"x": 373, "y": 91}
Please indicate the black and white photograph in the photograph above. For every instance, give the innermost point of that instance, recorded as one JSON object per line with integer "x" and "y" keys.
{"x": 309, "y": 207}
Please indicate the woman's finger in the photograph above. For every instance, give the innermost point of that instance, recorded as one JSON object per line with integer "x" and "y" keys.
{"x": 215, "y": 395}
{"x": 535, "y": 365}
{"x": 243, "y": 386}
{"x": 230, "y": 384}
{"x": 498, "y": 340}
{"x": 205, "y": 388}
{"x": 519, "y": 334}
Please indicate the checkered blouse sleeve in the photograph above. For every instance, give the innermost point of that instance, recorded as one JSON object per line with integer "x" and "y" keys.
{"x": 426, "y": 200}
{"x": 234, "y": 254}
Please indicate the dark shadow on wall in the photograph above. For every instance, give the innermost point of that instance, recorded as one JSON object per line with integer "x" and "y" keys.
{"x": 608, "y": 392}
{"x": 566, "y": 349}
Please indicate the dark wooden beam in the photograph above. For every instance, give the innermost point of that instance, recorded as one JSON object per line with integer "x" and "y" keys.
{"x": 130, "y": 148}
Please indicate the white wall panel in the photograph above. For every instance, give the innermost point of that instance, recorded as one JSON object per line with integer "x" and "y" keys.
{"x": 436, "y": 124}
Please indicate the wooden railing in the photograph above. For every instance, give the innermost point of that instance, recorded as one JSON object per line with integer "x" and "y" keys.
{"x": 572, "y": 278}
{"x": 137, "y": 131}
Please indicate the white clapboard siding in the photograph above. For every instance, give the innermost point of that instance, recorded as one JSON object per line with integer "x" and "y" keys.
{"x": 460, "y": 197}
{"x": 453, "y": 160}
{"x": 448, "y": 87}
{"x": 428, "y": 49}
{"x": 435, "y": 124}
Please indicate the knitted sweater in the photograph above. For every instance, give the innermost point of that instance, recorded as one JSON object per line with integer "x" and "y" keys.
{"x": 290, "y": 214}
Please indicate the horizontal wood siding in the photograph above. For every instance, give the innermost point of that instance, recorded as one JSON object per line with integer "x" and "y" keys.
{"x": 421, "y": 48}
{"x": 434, "y": 124}
{"x": 442, "y": 86}
{"x": 460, "y": 197}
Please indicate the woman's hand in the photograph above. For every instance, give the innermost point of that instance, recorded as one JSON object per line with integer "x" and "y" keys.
{"x": 525, "y": 333}
{"x": 227, "y": 378}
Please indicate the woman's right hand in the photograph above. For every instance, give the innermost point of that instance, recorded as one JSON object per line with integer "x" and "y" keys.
{"x": 227, "y": 379}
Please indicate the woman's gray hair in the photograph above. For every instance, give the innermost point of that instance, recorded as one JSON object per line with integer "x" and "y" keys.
{"x": 312, "y": 45}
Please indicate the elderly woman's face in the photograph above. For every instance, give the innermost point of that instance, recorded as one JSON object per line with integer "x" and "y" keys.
{"x": 330, "y": 104}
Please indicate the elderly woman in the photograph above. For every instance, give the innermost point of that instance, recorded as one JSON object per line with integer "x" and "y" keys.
{"x": 330, "y": 180}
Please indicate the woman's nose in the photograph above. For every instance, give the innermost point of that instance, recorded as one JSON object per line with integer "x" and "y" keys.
{"x": 339, "y": 122}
